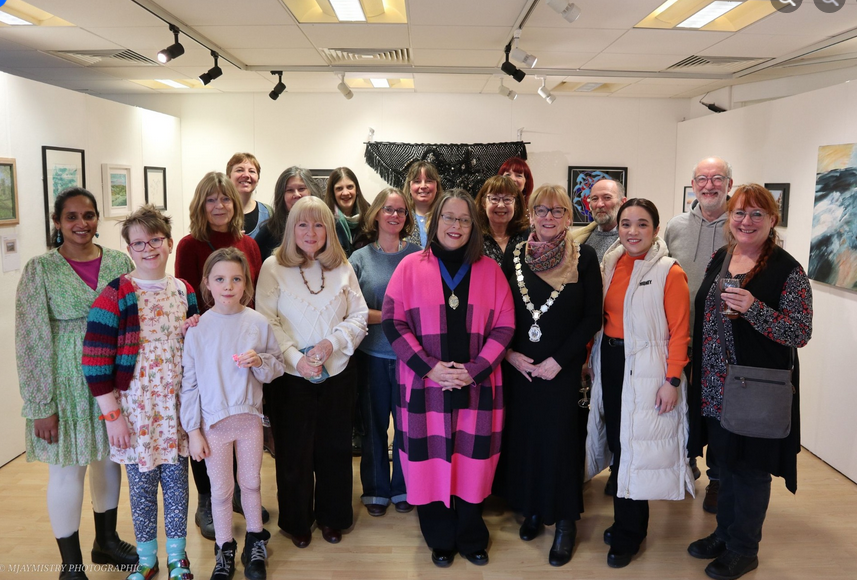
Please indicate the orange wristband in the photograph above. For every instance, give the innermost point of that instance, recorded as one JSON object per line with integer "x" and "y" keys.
{"x": 111, "y": 416}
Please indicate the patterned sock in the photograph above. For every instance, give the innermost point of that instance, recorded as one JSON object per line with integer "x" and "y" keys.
{"x": 175, "y": 549}
{"x": 148, "y": 552}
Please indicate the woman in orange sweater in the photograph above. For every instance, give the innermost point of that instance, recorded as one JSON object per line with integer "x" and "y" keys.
{"x": 638, "y": 418}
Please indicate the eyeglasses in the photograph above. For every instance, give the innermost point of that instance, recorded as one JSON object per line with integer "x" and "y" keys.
{"x": 390, "y": 210}
{"x": 716, "y": 180}
{"x": 299, "y": 190}
{"x": 465, "y": 222}
{"x": 542, "y": 211}
{"x": 755, "y": 216}
{"x": 154, "y": 243}
{"x": 497, "y": 200}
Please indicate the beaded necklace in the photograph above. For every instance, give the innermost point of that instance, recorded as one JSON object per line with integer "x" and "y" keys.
{"x": 307, "y": 283}
{"x": 535, "y": 333}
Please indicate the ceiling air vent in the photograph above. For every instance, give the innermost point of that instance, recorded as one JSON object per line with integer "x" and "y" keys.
{"x": 716, "y": 63}
{"x": 392, "y": 56}
{"x": 103, "y": 57}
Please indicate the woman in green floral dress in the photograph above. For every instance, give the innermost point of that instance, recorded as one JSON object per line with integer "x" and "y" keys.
{"x": 64, "y": 429}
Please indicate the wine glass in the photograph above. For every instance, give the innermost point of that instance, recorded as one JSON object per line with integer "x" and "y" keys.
{"x": 315, "y": 358}
{"x": 729, "y": 283}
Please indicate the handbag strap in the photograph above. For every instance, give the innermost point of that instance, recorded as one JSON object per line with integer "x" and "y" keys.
{"x": 719, "y": 314}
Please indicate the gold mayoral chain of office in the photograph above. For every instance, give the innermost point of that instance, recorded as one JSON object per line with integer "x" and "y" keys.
{"x": 535, "y": 333}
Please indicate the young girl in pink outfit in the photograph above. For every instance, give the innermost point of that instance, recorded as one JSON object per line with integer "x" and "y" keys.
{"x": 227, "y": 358}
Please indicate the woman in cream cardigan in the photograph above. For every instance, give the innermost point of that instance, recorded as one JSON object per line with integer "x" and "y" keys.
{"x": 638, "y": 417}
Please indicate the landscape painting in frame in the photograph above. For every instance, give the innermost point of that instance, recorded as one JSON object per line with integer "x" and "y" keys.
{"x": 580, "y": 181}
{"x": 8, "y": 193}
{"x": 116, "y": 182}
{"x": 62, "y": 168}
{"x": 833, "y": 249}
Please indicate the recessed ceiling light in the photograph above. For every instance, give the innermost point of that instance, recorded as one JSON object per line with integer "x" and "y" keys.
{"x": 171, "y": 83}
{"x": 7, "y": 18}
{"x": 348, "y": 10}
{"x": 380, "y": 83}
{"x": 711, "y": 12}
{"x": 588, "y": 87}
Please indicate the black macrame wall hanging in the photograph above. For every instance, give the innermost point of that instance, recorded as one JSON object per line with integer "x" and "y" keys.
{"x": 464, "y": 165}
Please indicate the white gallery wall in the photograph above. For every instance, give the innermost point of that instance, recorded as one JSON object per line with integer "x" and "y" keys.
{"x": 778, "y": 142}
{"x": 32, "y": 115}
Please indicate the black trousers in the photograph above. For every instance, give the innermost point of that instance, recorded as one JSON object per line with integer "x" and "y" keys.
{"x": 312, "y": 434}
{"x": 630, "y": 516}
{"x": 457, "y": 527}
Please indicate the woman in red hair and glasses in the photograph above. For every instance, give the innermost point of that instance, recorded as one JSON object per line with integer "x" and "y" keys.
{"x": 518, "y": 171}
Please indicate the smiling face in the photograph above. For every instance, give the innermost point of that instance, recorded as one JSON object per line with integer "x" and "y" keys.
{"x": 226, "y": 283}
{"x": 151, "y": 263}
{"x": 750, "y": 233}
{"x": 549, "y": 227}
{"x": 295, "y": 189}
{"x": 711, "y": 197}
{"x": 219, "y": 211}
{"x": 310, "y": 237}
{"x": 636, "y": 231}
{"x": 392, "y": 224}
{"x": 519, "y": 178}
{"x": 78, "y": 222}
{"x": 423, "y": 190}
{"x": 604, "y": 202}
{"x": 345, "y": 192}
{"x": 245, "y": 176}
{"x": 500, "y": 209}
{"x": 453, "y": 236}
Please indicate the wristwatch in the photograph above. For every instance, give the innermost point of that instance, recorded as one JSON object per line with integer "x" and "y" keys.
{"x": 674, "y": 381}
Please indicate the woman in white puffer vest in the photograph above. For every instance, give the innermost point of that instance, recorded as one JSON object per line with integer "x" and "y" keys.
{"x": 638, "y": 418}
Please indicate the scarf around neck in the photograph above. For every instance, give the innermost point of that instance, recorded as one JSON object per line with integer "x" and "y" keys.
{"x": 554, "y": 261}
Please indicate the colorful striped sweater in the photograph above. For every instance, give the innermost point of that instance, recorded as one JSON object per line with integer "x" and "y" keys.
{"x": 112, "y": 339}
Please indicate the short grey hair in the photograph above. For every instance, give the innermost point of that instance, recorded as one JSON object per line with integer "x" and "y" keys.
{"x": 725, "y": 163}
{"x": 620, "y": 189}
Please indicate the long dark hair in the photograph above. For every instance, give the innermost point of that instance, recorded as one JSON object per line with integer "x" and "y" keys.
{"x": 473, "y": 249}
{"x": 502, "y": 184}
{"x": 330, "y": 196}
{"x": 277, "y": 222}
{"x": 59, "y": 205}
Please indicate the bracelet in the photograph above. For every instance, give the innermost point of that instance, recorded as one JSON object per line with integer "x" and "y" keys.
{"x": 111, "y": 416}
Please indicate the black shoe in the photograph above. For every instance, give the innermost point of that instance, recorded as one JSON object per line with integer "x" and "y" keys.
{"x": 694, "y": 468}
{"x": 563, "y": 543}
{"x": 442, "y": 558}
{"x": 331, "y": 535}
{"x": 224, "y": 561}
{"x": 255, "y": 554}
{"x": 731, "y": 566}
{"x": 479, "y": 557}
{"x": 531, "y": 527}
{"x": 620, "y": 558}
{"x": 239, "y": 509}
{"x": 608, "y": 536}
{"x": 376, "y": 510}
{"x": 72, "y": 559}
{"x": 709, "y": 503}
{"x": 203, "y": 516}
{"x": 108, "y": 548}
{"x": 403, "y": 507}
{"x": 707, "y": 548}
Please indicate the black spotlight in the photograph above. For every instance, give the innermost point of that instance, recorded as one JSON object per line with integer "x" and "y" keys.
{"x": 173, "y": 51}
{"x": 279, "y": 87}
{"x": 213, "y": 73}
{"x": 510, "y": 69}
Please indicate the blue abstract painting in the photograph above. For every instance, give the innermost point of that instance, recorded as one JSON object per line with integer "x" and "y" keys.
{"x": 833, "y": 249}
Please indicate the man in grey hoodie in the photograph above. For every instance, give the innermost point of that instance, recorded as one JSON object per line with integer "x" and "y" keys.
{"x": 692, "y": 239}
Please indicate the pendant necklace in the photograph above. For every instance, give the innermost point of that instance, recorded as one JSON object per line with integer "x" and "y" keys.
{"x": 311, "y": 291}
{"x": 453, "y": 282}
{"x": 535, "y": 333}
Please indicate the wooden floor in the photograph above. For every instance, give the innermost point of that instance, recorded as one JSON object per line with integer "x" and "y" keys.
{"x": 811, "y": 535}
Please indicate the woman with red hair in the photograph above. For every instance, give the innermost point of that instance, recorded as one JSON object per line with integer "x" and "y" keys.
{"x": 518, "y": 171}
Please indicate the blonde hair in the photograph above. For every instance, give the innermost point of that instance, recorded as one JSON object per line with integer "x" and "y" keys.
{"x": 549, "y": 191}
{"x": 214, "y": 181}
{"x": 229, "y": 254}
{"x": 310, "y": 209}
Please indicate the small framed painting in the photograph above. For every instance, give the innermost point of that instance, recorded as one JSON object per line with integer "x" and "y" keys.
{"x": 689, "y": 198}
{"x": 62, "y": 168}
{"x": 116, "y": 189}
{"x": 780, "y": 191}
{"x": 8, "y": 193}
{"x": 156, "y": 186}
{"x": 580, "y": 181}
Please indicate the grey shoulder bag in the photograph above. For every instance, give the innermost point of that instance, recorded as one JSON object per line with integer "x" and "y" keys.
{"x": 757, "y": 401}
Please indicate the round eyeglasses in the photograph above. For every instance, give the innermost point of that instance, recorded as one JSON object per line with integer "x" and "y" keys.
{"x": 154, "y": 243}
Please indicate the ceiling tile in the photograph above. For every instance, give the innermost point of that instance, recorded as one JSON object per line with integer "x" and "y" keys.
{"x": 678, "y": 42}
{"x": 631, "y": 62}
{"x": 429, "y": 83}
{"x": 596, "y": 14}
{"x": 228, "y": 12}
{"x": 567, "y": 40}
{"x": 281, "y": 57}
{"x": 442, "y": 57}
{"x": 97, "y": 12}
{"x": 234, "y": 37}
{"x": 451, "y": 37}
{"x": 812, "y": 22}
{"x": 758, "y": 45}
{"x": 55, "y": 38}
{"x": 357, "y": 35}
{"x": 562, "y": 60}
{"x": 468, "y": 13}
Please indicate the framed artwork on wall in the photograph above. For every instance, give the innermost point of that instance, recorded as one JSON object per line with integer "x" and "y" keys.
{"x": 155, "y": 179}
{"x": 581, "y": 179}
{"x": 8, "y": 193}
{"x": 780, "y": 192}
{"x": 689, "y": 198}
{"x": 321, "y": 176}
{"x": 62, "y": 168}
{"x": 116, "y": 189}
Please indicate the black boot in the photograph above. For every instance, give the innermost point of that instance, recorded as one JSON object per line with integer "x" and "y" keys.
{"x": 563, "y": 543}
{"x": 239, "y": 509}
{"x": 203, "y": 517}
{"x": 224, "y": 561}
{"x": 255, "y": 555}
{"x": 72, "y": 559}
{"x": 108, "y": 548}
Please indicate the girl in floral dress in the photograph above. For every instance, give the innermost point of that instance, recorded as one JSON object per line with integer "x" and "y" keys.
{"x": 132, "y": 360}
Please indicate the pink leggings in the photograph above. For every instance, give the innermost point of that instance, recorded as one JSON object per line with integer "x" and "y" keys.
{"x": 245, "y": 431}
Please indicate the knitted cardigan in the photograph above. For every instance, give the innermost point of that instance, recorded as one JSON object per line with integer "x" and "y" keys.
{"x": 112, "y": 340}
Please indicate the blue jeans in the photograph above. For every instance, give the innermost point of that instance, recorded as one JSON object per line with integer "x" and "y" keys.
{"x": 743, "y": 499}
{"x": 380, "y": 400}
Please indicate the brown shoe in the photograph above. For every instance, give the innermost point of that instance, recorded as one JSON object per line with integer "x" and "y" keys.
{"x": 709, "y": 504}
{"x": 301, "y": 541}
{"x": 376, "y": 510}
{"x": 331, "y": 535}
{"x": 404, "y": 507}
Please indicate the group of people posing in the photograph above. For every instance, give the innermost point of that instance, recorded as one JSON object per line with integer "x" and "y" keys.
{"x": 477, "y": 324}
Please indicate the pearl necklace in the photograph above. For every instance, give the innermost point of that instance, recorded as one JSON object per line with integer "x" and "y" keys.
{"x": 535, "y": 333}
{"x": 307, "y": 283}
